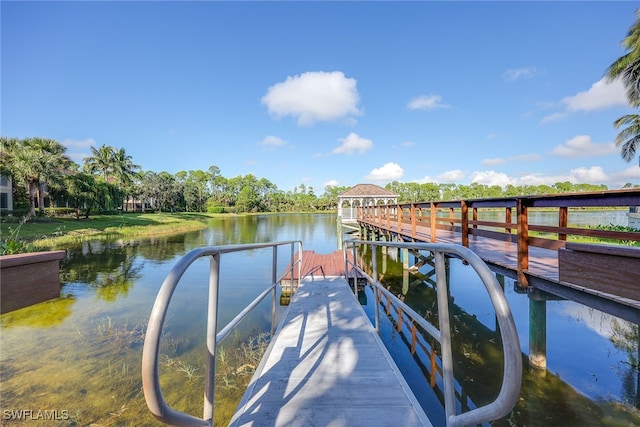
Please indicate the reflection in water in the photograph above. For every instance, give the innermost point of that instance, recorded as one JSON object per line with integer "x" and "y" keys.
{"x": 44, "y": 315}
{"x": 546, "y": 397}
{"x": 81, "y": 353}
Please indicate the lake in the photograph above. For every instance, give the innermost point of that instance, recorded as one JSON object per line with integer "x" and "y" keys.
{"x": 76, "y": 360}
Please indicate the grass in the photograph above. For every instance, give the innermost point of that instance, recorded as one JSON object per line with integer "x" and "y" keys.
{"x": 45, "y": 234}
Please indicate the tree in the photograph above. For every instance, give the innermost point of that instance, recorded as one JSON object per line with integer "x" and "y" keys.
{"x": 102, "y": 161}
{"x": 629, "y": 137}
{"x": 627, "y": 68}
{"x": 35, "y": 162}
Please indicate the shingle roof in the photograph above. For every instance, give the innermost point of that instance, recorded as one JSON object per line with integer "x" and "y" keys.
{"x": 369, "y": 190}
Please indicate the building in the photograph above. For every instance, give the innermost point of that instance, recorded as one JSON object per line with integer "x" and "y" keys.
{"x": 6, "y": 193}
{"x": 363, "y": 195}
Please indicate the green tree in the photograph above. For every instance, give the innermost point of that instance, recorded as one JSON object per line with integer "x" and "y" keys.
{"x": 102, "y": 161}
{"x": 627, "y": 68}
{"x": 35, "y": 162}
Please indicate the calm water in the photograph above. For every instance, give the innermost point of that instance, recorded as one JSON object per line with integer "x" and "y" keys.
{"x": 79, "y": 357}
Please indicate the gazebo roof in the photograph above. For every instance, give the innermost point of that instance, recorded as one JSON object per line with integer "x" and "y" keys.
{"x": 367, "y": 190}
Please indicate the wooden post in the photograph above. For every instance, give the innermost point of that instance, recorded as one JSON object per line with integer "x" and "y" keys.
{"x": 538, "y": 333}
{"x": 507, "y": 219}
{"x": 523, "y": 242}
{"x": 413, "y": 221}
{"x": 475, "y": 217}
{"x": 465, "y": 223}
{"x": 451, "y": 217}
{"x": 414, "y": 338}
{"x": 432, "y": 217}
{"x": 563, "y": 216}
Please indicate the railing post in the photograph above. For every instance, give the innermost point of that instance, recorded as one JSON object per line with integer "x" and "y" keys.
{"x": 475, "y": 217}
{"x": 451, "y": 217}
{"x": 374, "y": 268}
{"x": 212, "y": 330}
{"x": 432, "y": 221}
{"x": 274, "y": 278}
{"x": 445, "y": 336}
{"x": 507, "y": 219}
{"x": 464, "y": 217}
{"x": 399, "y": 214}
{"x": 413, "y": 220}
{"x": 563, "y": 217}
{"x": 523, "y": 242}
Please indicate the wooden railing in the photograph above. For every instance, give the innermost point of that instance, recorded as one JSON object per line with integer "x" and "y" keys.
{"x": 463, "y": 216}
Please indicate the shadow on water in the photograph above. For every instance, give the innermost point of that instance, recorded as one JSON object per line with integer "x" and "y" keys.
{"x": 546, "y": 398}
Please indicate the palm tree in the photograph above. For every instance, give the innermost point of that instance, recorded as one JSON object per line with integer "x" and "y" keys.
{"x": 629, "y": 137}
{"x": 102, "y": 160}
{"x": 54, "y": 163}
{"x": 125, "y": 172}
{"x": 36, "y": 162}
{"x": 627, "y": 68}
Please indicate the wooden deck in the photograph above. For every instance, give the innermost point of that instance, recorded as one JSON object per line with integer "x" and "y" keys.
{"x": 543, "y": 270}
{"x": 315, "y": 264}
{"x": 327, "y": 366}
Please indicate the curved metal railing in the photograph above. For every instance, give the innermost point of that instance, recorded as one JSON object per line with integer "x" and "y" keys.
{"x": 512, "y": 374}
{"x": 150, "y": 369}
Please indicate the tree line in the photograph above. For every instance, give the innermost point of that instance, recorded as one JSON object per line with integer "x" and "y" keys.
{"x": 108, "y": 180}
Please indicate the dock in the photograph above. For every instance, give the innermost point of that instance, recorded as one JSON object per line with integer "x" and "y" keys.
{"x": 326, "y": 365}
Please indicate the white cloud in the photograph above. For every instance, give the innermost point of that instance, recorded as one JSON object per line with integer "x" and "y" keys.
{"x": 331, "y": 182}
{"x": 426, "y": 102}
{"x": 408, "y": 144}
{"x": 582, "y": 146}
{"x": 79, "y": 144}
{"x": 526, "y": 158}
{"x": 78, "y": 150}
{"x": 387, "y": 172}
{"x": 513, "y": 74}
{"x": 451, "y": 176}
{"x": 491, "y": 178}
{"x": 314, "y": 96}
{"x": 272, "y": 142}
{"x": 493, "y": 162}
{"x": 593, "y": 174}
{"x": 353, "y": 143}
{"x": 553, "y": 117}
{"x": 631, "y": 174}
{"x": 519, "y": 158}
{"x": 602, "y": 94}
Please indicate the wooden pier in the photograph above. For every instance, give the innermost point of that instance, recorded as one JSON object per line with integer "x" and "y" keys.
{"x": 327, "y": 365}
{"x": 534, "y": 262}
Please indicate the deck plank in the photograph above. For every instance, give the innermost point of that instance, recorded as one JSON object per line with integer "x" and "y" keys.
{"x": 327, "y": 366}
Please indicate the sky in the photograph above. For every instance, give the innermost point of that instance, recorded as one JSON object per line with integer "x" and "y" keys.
{"x": 326, "y": 93}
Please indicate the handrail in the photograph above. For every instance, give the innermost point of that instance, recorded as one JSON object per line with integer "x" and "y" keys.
{"x": 316, "y": 268}
{"x": 150, "y": 352}
{"x": 512, "y": 375}
{"x": 467, "y": 223}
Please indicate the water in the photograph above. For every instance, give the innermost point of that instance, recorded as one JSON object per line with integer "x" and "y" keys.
{"x": 77, "y": 359}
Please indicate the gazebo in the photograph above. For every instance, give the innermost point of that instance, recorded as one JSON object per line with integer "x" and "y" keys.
{"x": 363, "y": 195}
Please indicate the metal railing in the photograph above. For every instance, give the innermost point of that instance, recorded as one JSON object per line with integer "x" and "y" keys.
{"x": 150, "y": 353}
{"x": 512, "y": 374}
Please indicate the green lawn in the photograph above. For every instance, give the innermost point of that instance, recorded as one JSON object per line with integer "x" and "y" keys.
{"x": 56, "y": 232}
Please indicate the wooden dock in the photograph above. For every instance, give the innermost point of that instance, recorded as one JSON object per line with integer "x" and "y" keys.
{"x": 315, "y": 264}
{"x": 327, "y": 365}
{"x": 543, "y": 270}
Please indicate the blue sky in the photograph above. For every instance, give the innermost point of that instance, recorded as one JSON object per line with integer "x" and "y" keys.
{"x": 321, "y": 93}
